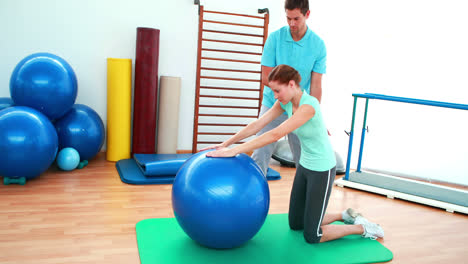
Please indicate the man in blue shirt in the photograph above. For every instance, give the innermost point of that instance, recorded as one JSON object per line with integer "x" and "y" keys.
{"x": 299, "y": 47}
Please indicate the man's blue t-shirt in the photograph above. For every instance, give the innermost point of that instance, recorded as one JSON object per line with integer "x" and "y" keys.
{"x": 306, "y": 56}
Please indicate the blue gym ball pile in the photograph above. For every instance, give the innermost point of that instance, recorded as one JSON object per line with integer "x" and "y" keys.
{"x": 40, "y": 119}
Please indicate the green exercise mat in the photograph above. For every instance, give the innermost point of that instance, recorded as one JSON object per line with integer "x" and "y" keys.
{"x": 161, "y": 240}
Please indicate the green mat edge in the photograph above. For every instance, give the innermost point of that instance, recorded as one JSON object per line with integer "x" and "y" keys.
{"x": 389, "y": 254}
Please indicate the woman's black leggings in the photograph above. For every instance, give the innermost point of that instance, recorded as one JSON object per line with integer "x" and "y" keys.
{"x": 309, "y": 199}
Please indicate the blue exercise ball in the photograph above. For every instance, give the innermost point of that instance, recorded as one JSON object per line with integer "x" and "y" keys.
{"x": 220, "y": 202}
{"x": 81, "y": 128}
{"x": 68, "y": 159}
{"x": 5, "y": 102}
{"x": 28, "y": 142}
{"x": 44, "y": 82}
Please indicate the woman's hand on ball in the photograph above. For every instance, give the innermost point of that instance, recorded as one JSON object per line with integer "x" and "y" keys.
{"x": 221, "y": 152}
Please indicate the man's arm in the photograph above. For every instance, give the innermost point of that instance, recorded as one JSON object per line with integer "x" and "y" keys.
{"x": 316, "y": 88}
{"x": 265, "y": 72}
{"x": 315, "y": 85}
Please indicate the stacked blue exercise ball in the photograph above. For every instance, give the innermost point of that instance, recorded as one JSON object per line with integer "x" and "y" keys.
{"x": 45, "y": 82}
{"x": 81, "y": 128}
{"x": 220, "y": 202}
{"x": 28, "y": 142}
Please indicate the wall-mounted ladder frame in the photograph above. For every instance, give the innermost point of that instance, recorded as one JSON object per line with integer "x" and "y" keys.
{"x": 227, "y": 90}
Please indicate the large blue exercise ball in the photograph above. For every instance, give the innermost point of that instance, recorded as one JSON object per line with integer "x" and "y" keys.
{"x": 220, "y": 202}
{"x": 82, "y": 129}
{"x": 68, "y": 159}
{"x": 44, "y": 82}
{"x": 28, "y": 142}
{"x": 5, "y": 102}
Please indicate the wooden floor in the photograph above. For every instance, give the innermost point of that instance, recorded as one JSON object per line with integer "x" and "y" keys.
{"x": 89, "y": 216}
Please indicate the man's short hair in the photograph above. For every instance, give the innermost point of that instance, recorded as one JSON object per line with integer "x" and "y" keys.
{"x": 303, "y": 5}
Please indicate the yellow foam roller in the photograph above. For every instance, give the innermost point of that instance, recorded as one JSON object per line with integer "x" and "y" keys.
{"x": 119, "y": 108}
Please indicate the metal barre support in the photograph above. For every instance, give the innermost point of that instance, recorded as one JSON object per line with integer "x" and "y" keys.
{"x": 411, "y": 100}
{"x": 350, "y": 145}
{"x": 363, "y": 133}
{"x": 385, "y": 98}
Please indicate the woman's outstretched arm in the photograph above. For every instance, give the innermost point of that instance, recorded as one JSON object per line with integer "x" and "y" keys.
{"x": 302, "y": 115}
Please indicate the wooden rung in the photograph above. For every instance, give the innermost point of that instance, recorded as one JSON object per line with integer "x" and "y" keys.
{"x": 221, "y": 59}
{"x": 232, "y": 14}
{"x": 230, "y": 89}
{"x": 232, "y": 33}
{"x": 222, "y": 115}
{"x": 232, "y": 24}
{"x": 229, "y": 79}
{"x": 216, "y": 133}
{"x": 234, "y": 51}
{"x": 217, "y": 124}
{"x": 229, "y": 106}
{"x": 233, "y": 42}
{"x": 229, "y": 97}
{"x": 216, "y": 142}
{"x": 229, "y": 70}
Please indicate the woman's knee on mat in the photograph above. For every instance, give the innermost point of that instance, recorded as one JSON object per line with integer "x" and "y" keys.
{"x": 312, "y": 238}
{"x": 295, "y": 220}
{"x": 296, "y": 226}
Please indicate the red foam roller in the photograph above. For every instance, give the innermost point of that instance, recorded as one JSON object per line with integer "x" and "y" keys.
{"x": 145, "y": 91}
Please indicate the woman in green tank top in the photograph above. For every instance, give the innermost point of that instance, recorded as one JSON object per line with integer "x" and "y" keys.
{"x": 316, "y": 172}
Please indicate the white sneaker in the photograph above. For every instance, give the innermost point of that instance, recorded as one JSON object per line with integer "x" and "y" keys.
{"x": 371, "y": 230}
{"x": 349, "y": 216}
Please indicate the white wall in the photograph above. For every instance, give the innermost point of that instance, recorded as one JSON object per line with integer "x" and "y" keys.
{"x": 413, "y": 49}
{"x": 403, "y": 48}
{"x": 86, "y": 32}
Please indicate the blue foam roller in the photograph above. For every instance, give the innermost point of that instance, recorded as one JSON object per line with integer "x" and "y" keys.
{"x": 130, "y": 172}
{"x": 169, "y": 164}
{"x": 160, "y": 164}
